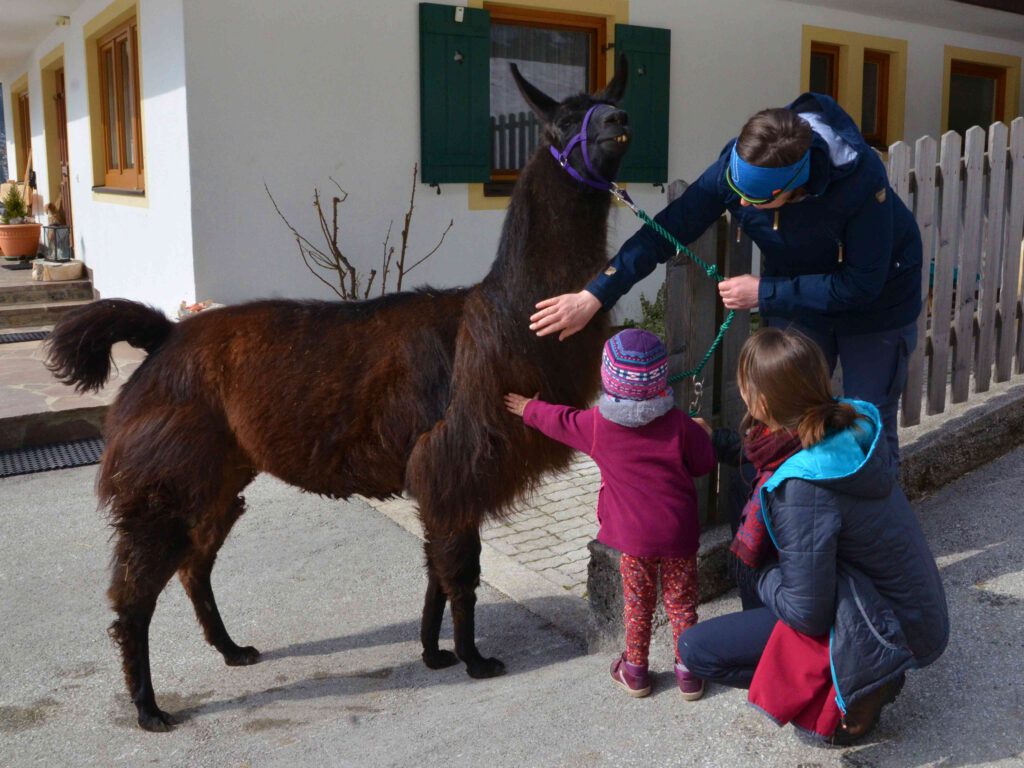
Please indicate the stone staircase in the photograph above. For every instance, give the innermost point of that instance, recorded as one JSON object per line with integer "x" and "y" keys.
{"x": 28, "y": 304}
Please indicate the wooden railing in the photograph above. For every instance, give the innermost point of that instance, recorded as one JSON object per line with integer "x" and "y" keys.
{"x": 968, "y": 199}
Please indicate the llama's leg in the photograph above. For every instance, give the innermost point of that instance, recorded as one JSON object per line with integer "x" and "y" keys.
{"x": 147, "y": 553}
{"x": 456, "y": 558}
{"x": 430, "y": 627}
{"x": 207, "y": 538}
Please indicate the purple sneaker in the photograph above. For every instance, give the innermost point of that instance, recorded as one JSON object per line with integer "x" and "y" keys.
{"x": 691, "y": 685}
{"x": 633, "y": 678}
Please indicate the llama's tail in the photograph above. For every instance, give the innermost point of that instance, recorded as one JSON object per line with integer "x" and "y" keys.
{"x": 78, "y": 350}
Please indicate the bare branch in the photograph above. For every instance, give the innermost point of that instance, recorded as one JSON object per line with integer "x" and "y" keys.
{"x": 434, "y": 250}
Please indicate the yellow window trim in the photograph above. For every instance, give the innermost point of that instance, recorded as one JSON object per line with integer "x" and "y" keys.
{"x": 851, "y": 71}
{"x": 18, "y": 87}
{"x": 614, "y": 11}
{"x": 130, "y": 199}
{"x": 1012, "y": 65}
{"x": 114, "y": 15}
{"x": 48, "y": 66}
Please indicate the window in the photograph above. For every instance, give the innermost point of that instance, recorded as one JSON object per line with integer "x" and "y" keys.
{"x": 866, "y": 74}
{"x": 119, "y": 100}
{"x": 825, "y": 69}
{"x": 560, "y": 53}
{"x": 980, "y": 88}
{"x": 874, "y": 114}
{"x": 977, "y": 95}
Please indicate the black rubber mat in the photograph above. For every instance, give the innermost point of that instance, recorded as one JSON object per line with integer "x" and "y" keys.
{"x": 11, "y": 338}
{"x": 75, "y": 453}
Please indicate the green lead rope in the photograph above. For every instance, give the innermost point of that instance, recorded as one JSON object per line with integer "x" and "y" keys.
{"x": 710, "y": 270}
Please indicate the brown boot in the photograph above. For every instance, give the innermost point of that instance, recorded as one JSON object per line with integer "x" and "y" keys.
{"x": 862, "y": 716}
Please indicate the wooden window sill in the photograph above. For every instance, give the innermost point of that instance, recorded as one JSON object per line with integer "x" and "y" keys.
{"x": 120, "y": 191}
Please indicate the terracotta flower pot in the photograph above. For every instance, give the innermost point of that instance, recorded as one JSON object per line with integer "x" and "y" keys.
{"x": 17, "y": 240}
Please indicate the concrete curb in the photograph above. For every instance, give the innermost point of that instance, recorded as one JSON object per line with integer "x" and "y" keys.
{"x": 36, "y": 429}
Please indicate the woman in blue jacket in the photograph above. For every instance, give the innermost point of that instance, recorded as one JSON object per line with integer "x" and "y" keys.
{"x": 842, "y": 253}
{"x": 852, "y": 597}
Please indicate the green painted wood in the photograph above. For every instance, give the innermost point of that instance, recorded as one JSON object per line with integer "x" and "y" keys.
{"x": 454, "y": 94}
{"x": 647, "y": 101}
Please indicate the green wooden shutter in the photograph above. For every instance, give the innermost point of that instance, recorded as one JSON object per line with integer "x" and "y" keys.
{"x": 454, "y": 94}
{"x": 646, "y": 101}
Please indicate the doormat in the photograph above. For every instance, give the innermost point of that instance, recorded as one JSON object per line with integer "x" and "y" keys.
{"x": 12, "y": 338}
{"x": 43, "y": 458}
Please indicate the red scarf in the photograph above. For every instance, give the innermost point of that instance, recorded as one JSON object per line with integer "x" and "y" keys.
{"x": 766, "y": 451}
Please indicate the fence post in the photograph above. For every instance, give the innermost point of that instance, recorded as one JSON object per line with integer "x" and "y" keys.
{"x": 994, "y": 262}
{"x": 945, "y": 264}
{"x": 899, "y": 180}
{"x": 970, "y": 262}
{"x": 738, "y": 261}
{"x": 690, "y": 312}
{"x": 1009, "y": 301}
{"x": 924, "y": 213}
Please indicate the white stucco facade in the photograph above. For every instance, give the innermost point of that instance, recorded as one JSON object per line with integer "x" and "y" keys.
{"x": 238, "y": 93}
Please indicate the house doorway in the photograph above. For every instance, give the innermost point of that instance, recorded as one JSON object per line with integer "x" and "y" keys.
{"x": 60, "y": 103}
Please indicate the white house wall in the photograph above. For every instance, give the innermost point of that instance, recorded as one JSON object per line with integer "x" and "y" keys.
{"x": 142, "y": 252}
{"x": 292, "y": 94}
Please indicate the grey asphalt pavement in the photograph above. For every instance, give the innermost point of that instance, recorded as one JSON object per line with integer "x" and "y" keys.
{"x": 330, "y": 592}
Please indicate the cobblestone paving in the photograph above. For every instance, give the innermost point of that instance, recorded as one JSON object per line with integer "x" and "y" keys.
{"x": 550, "y": 531}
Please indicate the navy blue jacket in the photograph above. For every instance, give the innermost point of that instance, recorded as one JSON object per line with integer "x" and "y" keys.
{"x": 846, "y": 258}
{"x": 853, "y": 561}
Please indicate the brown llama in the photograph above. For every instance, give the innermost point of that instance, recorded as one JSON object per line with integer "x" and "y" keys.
{"x": 401, "y": 393}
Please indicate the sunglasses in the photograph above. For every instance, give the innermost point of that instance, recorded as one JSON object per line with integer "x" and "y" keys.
{"x": 774, "y": 195}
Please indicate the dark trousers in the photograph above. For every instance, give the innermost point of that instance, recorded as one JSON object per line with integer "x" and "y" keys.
{"x": 874, "y": 368}
{"x": 726, "y": 649}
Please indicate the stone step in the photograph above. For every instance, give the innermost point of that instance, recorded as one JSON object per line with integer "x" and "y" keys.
{"x": 45, "y": 292}
{"x": 22, "y": 315}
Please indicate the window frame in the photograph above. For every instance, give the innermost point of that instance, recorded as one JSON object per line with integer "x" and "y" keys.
{"x": 503, "y": 180}
{"x": 878, "y": 137}
{"x": 833, "y": 52}
{"x": 116, "y": 175}
{"x": 23, "y": 132}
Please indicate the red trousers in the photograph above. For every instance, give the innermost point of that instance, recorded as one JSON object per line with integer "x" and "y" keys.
{"x": 679, "y": 590}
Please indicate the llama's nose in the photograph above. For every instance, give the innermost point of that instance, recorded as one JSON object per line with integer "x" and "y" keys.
{"x": 616, "y": 117}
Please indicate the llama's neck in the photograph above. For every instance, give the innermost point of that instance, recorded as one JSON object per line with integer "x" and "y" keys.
{"x": 555, "y": 237}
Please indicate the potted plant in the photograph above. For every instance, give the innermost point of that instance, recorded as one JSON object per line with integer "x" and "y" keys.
{"x": 19, "y": 235}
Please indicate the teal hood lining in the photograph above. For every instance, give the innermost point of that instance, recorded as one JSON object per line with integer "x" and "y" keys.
{"x": 839, "y": 455}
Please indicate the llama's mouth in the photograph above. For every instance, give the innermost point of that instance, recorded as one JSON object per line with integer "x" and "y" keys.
{"x": 622, "y": 140}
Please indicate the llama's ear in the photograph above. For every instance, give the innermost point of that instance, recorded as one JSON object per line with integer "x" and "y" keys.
{"x": 542, "y": 105}
{"x": 614, "y": 91}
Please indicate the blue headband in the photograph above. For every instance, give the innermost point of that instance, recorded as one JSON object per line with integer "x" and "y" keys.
{"x": 759, "y": 183}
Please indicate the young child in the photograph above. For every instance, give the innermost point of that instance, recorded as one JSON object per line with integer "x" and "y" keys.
{"x": 648, "y": 453}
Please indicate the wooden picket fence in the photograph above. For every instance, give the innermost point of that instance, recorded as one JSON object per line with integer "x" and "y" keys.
{"x": 514, "y": 138}
{"x": 968, "y": 198}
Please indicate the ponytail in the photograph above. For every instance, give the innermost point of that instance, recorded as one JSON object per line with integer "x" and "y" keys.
{"x": 824, "y": 418}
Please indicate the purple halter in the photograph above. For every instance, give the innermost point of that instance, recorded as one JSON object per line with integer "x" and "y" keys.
{"x": 595, "y": 180}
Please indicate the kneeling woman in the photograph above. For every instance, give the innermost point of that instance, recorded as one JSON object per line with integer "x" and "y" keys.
{"x": 851, "y": 595}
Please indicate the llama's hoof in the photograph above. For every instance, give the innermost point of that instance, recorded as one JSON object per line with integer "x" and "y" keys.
{"x": 485, "y": 668}
{"x": 241, "y": 657}
{"x": 440, "y": 659}
{"x": 156, "y": 720}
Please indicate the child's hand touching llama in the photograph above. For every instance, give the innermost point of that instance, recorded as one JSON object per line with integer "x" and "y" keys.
{"x": 517, "y": 403}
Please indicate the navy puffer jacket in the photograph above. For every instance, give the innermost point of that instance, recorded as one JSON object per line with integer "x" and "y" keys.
{"x": 853, "y": 561}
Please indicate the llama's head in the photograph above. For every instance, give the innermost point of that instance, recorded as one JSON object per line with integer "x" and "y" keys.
{"x": 607, "y": 129}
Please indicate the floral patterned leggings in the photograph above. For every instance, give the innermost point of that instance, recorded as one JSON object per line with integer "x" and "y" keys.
{"x": 640, "y": 592}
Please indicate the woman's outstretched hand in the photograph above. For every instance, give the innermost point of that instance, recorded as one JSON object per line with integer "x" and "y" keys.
{"x": 517, "y": 403}
{"x": 565, "y": 314}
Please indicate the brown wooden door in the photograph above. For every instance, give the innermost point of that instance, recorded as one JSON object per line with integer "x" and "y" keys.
{"x": 62, "y": 146}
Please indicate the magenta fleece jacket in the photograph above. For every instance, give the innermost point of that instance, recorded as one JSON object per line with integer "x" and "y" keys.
{"x": 647, "y": 506}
